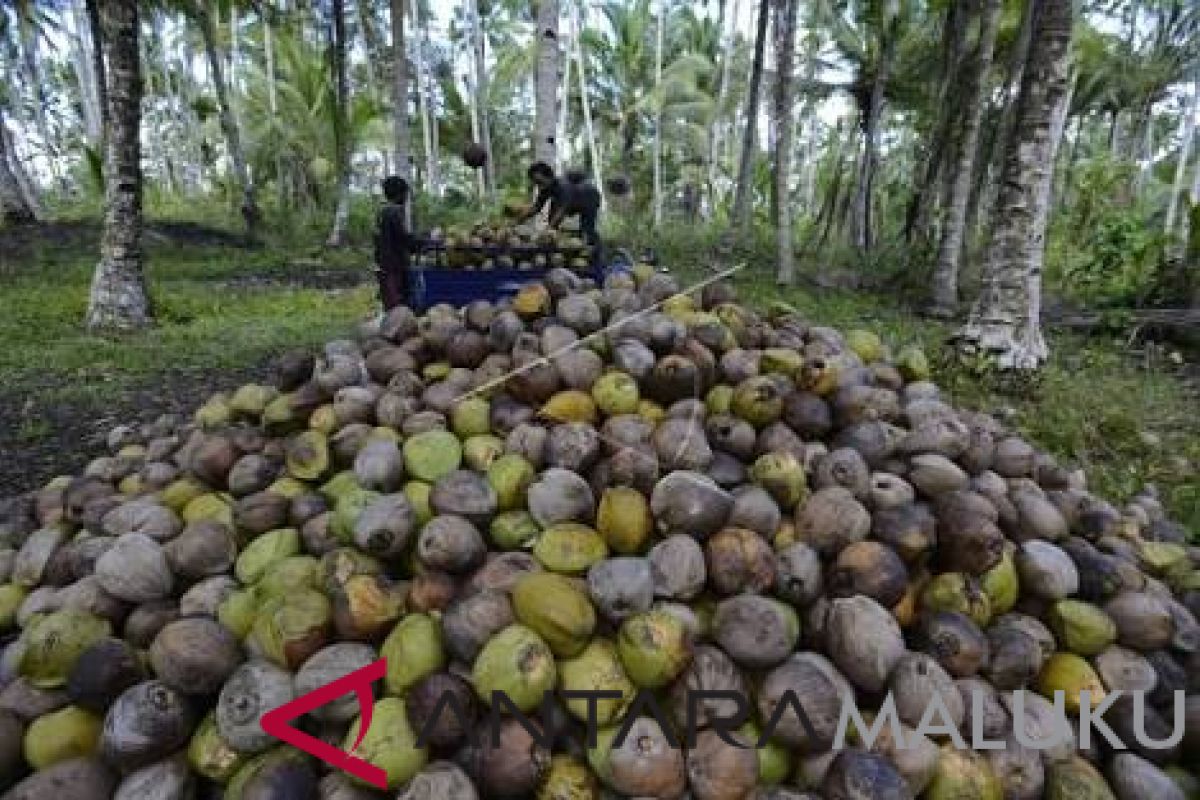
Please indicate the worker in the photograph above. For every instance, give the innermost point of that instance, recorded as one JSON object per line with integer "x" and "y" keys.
{"x": 571, "y": 198}
{"x": 393, "y": 244}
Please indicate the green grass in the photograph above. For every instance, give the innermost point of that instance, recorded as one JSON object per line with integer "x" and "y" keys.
{"x": 216, "y": 308}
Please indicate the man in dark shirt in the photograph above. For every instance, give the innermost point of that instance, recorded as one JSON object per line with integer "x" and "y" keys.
{"x": 566, "y": 199}
{"x": 393, "y": 244}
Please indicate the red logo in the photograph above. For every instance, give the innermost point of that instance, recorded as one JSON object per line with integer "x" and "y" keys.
{"x": 275, "y": 722}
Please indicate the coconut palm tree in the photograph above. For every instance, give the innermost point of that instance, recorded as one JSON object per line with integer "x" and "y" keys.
{"x": 972, "y": 101}
{"x": 402, "y": 155}
{"x": 786, "y": 12}
{"x": 14, "y": 207}
{"x": 1005, "y": 323}
{"x": 202, "y": 11}
{"x": 741, "y": 198}
{"x": 342, "y": 147}
{"x": 545, "y": 93}
{"x": 118, "y": 299}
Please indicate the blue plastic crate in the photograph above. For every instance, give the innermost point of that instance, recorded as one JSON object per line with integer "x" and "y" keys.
{"x": 433, "y": 285}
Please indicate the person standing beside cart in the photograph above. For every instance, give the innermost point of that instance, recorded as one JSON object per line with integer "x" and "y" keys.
{"x": 394, "y": 244}
{"x": 572, "y": 198}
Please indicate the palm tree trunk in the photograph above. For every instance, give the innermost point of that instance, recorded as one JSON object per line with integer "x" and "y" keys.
{"x": 545, "y": 90}
{"x": 403, "y": 155}
{"x": 563, "y": 151}
{"x": 341, "y": 134}
{"x": 1018, "y": 58}
{"x": 481, "y": 101}
{"x": 273, "y": 97}
{"x": 585, "y": 101}
{"x": 14, "y": 207}
{"x": 945, "y": 274}
{"x": 1187, "y": 132}
{"x": 717, "y": 123}
{"x": 658, "y": 116}
{"x": 741, "y": 198}
{"x": 429, "y": 128}
{"x": 229, "y": 125}
{"x": 861, "y": 227}
{"x": 100, "y": 73}
{"x": 118, "y": 299}
{"x": 373, "y": 43}
{"x": 786, "y": 13}
{"x": 1004, "y": 324}
{"x": 84, "y": 67}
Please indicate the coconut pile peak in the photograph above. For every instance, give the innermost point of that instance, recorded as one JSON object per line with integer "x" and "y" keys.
{"x": 616, "y": 541}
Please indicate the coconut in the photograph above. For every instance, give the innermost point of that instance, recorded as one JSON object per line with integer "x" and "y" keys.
{"x": 1143, "y": 622}
{"x": 864, "y": 641}
{"x": 440, "y": 780}
{"x": 145, "y": 724}
{"x": 203, "y": 549}
{"x": 856, "y": 774}
{"x": 466, "y": 494}
{"x": 678, "y": 567}
{"x": 559, "y": 495}
{"x": 653, "y": 647}
{"x": 413, "y": 650}
{"x": 73, "y": 779}
{"x": 810, "y": 680}
{"x": 290, "y": 628}
{"x": 620, "y": 587}
{"x": 691, "y": 503}
{"x": 869, "y": 568}
{"x": 517, "y": 663}
{"x": 739, "y": 560}
{"x": 597, "y": 668}
{"x": 169, "y": 779}
{"x": 757, "y": 632}
{"x": 135, "y": 569}
{"x": 1070, "y": 674}
{"x": 389, "y": 742}
{"x": 327, "y": 665}
{"x": 963, "y": 773}
{"x": 1075, "y": 779}
{"x": 830, "y": 519}
{"x": 719, "y": 770}
{"x": 53, "y": 643}
{"x": 1081, "y": 627}
{"x": 555, "y": 609}
{"x": 569, "y": 548}
{"x": 451, "y": 543}
{"x": 1046, "y": 571}
{"x": 1021, "y": 771}
{"x": 568, "y": 778}
{"x": 623, "y": 518}
{"x": 643, "y": 764}
{"x": 64, "y": 734}
{"x": 194, "y": 656}
{"x": 512, "y": 765}
{"x": 468, "y": 623}
{"x": 915, "y": 681}
{"x": 252, "y": 690}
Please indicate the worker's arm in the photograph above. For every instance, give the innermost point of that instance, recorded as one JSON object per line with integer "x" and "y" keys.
{"x": 543, "y": 197}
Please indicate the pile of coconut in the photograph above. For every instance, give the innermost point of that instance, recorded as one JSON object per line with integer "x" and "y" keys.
{"x": 624, "y": 489}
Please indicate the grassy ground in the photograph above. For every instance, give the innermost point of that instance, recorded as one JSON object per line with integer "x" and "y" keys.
{"x": 224, "y": 310}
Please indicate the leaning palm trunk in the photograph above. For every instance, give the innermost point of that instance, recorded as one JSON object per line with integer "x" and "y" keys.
{"x": 1187, "y": 132}
{"x": 229, "y": 124}
{"x": 861, "y": 224}
{"x": 118, "y": 299}
{"x": 341, "y": 130}
{"x": 1005, "y": 322}
{"x": 403, "y": 157}
{"x": 545, "y": 90}
{"x": 945, "y": 274}
{"x": 785, "y": 123}
{"x": 741, "y": 198}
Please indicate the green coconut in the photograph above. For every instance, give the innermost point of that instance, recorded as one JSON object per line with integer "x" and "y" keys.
{"x": 210, "y": 756}
{"x": 53, "y": 642}
{"x": 1001, "y": 584}
{"x": 479, "y": 452}
{"x": 569, "y": 548}
{"x": 510, "y": 476}
{"x": 519, "y": 664}
{"x": 597, "y": 668}
{"x": 1071, "y": 675}
{"x": 775, "y": 760}
{"x": 963, "y": 775}
{"x": 308, "y": 455}
{"x": 264, "y": 552}
{"x": 654, "y": 648}
{"x": 209, "y": 506}
{"x": 341, "y": 484}
{"x": 69, "y": 732}
{"x": 616, "y": 393}
{"x": 430, "y": 455}
{"x": 287, "y": 574}
{"x": 1075, "y": 779}
{"x": 1081, "y": 627}
{"x": 556, "y": 609}
{"x": 238, "y": 610}
{"x": 513, "y": 530}
{"x": 346, "y": 511}
{"x": 757, "y": 400}
{"x": 280, "y": 772}
{"x": 471, "y": 417}
{"x": 568, "y": 778}
{"x": 780, "y": 360}
{"x": 912, "y": 363}
{"x": 390, "y": 742}
{"x": 289, "y": 629}
{"x": 782, "y": 476}
{"x": 623, "y": 519}
{"x": 413, "y": 651}
{"x": 954, "y": 591}
{"x": 865, "y": 344}
{"x": 719, "y": 399}
{"x": 418, "y": 493}
{"x": 11, "y": 598}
